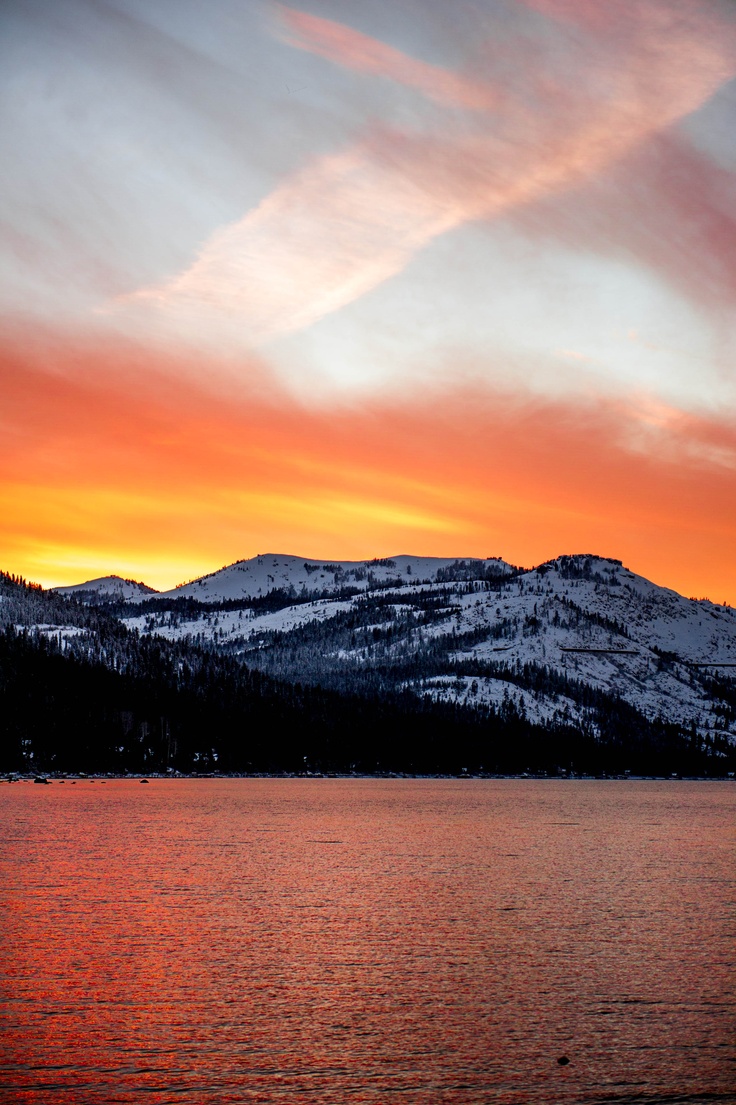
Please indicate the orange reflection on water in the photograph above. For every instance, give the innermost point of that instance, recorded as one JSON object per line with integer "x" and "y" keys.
{"x": 332, "y": 940}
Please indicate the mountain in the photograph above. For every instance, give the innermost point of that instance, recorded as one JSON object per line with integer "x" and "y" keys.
{"x": 81, "y": 692}
{"x": 108, "y": 588}
{"x": 578, "y": 649}
{"x": 476, "y": 632}
{"x": 292, "y": 575}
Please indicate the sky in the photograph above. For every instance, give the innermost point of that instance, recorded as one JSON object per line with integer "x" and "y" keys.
{"x": 355, "y": 279}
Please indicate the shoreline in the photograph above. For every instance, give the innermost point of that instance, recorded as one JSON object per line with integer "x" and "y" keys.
{"x": 133, "y": 777}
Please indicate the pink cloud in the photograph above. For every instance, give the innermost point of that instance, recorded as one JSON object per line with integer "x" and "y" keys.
{"x": 323, "y": 238}
{"x": 359, "y": 52}
{"x": 347, "y": 222}
{"x": 664, "y": 204}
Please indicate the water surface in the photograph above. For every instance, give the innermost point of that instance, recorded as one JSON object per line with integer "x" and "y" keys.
{"x": 354, "y": 941}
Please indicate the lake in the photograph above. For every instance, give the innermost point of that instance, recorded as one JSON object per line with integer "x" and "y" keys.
{"x": 424, "y": 941}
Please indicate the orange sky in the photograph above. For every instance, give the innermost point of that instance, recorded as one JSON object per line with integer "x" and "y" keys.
{"x": 122, "y": 471}
{"x": 360, "y": 279}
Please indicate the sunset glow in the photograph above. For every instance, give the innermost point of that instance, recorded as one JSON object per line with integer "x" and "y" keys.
{"x": 350, "y": 280}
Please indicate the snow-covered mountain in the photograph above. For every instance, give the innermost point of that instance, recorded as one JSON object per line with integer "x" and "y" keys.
{"x": 545, "y": 641}
{"x": 579, "y": 647}
{"x": 108, "y": 588}
{"x": 261, "y": 575}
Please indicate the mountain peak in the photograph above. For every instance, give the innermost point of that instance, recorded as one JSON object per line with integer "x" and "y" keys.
{"x": 106, "y": 588}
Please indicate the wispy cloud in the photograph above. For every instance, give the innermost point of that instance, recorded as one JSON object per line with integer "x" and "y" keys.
{"x": 322, "y": 239}
{"x": 349, "y": 221}
{"x": 665, "y": 204}
{"x": 363, "y": 54}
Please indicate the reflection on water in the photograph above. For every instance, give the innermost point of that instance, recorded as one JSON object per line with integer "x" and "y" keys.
{"x": 348, "y": 941}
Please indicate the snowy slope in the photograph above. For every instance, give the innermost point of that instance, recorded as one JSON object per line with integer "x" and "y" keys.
{"x": 262, "y": 575}
{"x": 651, "y": 616}
{"x": 272, "y": 572}
{"x": 586, "y": 620}
{"x": 106, "y": 588}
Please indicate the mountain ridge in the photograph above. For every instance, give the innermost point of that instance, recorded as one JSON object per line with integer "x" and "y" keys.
{"x": 578, "y": 648}
{"x": 467, "y": 631}
{"x": 290, "y": 570}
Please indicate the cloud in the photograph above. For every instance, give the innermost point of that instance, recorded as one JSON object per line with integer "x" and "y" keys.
{"x": 664, "y": 204}
{"x": 362, "y": 54}
{"x": 322, "y": 239}
{"x": 349, "y": 221}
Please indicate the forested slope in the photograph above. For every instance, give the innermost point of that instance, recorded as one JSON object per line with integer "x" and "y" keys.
{"x": 80, "y": 691}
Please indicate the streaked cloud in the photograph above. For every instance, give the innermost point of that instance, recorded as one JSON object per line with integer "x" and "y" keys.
{"x": 325, "y": 237}
{"x": 362, "y": 54}
{"x": 349, "y": 221}
{"x": 665, "y": 205}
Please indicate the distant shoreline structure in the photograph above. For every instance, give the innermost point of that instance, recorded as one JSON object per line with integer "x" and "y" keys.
{"x": 309, "y": 776}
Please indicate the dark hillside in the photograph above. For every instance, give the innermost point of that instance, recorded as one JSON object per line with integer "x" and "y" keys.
{"x": 108, "y": 699}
